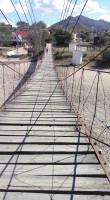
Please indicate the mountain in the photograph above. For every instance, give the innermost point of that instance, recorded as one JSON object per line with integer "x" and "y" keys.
{"x": 84, "y": 22}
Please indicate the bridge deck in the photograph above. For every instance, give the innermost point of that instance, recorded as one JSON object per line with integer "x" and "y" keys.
{"x": 42, "y": 156}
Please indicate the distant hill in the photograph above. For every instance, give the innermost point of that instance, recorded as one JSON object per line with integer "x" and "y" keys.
{"x": 84, "y": 22}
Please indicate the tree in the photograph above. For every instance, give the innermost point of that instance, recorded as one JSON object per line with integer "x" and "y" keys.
{"x": 39, "y": 24}
{"x": 5, "y": 35}
{"x": 42, "y": 24}
{"x": 36, "y": 38}
{"x": 106, "y": 33}
{"x": 106, "y": 30}
{"x": 86, "y": 35}
{"x": 62, "y": 36}
{"x": 51, "y": 39}
{"x": 95, "y": 31}
{"x": 45, "y": 35}
{"x": 22, "y": 26}
{"x": 106, "y": 56}
{"x": 104, "y": 40}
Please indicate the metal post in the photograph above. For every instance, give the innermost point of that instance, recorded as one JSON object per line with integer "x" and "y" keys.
{"x": 14, "y": 80}
{"x": 66, "y": 78}
{"x": 72, "y": 86}
{"x": 4, "y": 82}
{"x": 80, "y": 91}
{"x": 95, "y": 109}
{"x": 19, "y": 71}
{"x": 24, "y": 68}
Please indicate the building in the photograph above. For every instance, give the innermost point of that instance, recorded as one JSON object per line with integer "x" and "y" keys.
{"x": 19, "y": 36}
{"x": 9, "y": 26}
{"x": 16, "y": 37}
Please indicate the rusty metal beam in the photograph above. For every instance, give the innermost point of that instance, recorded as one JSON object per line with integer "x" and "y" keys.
{"x": 78, "y": 192}
{"x": 89, "y": 137}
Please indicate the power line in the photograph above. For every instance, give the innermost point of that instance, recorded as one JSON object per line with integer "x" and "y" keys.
{"x": 80, "y": 15}
{"x": 87, "y": 62}
{"x": 24, "y": 12}
{"x": 16, "y": 35}
{"x": 62, "y": 10}
{"x": 11, "y": 68}
{"x": 32, "y": 10}
{"x": 5, "y": 17}
{"x": 28, "y": 11}
{"x": 71, "y": 13}
{"x": 68, "y": 9}
{"x": 9, "y": 23}
{"x": 65, "y": 12}
{"x": 16, "y": 10}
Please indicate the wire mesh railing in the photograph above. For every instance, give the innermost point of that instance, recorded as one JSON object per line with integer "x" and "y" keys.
{"x": 13, "y": 75}
{"x": 89, "y": 92}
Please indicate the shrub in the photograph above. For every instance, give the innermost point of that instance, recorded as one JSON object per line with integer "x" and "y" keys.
{"x": 106, "y": 55}
{"x": 58, "y": 55}
{"x": 85, "y": 55}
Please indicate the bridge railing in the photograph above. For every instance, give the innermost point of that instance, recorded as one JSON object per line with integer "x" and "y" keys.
{"x": 89, "y": 92}
{"x": 13, "y": 76}
{"x": 10, "y": 75}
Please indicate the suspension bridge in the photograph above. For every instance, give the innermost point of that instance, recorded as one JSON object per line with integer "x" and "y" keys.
{"x": 44, "y": 154}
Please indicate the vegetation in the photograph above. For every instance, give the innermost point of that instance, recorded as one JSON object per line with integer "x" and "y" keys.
{"x": 106, "y": 56}
{"x": 86, "y": 35}
{"x": 45, "y": 36}
{"x": 50, "y": 39}
{"x": 37, "y": 37}
{"x": 62, "y": 56}
{"x": 5, "y": 35}
{"x": 58, "y": 55}
{"x": 39, "y": 24}
{"x": 22, "y": 26}
{"x": 62, "y": 36}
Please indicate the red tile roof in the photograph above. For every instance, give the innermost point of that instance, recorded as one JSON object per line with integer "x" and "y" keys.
{"x": 21, "y": 32}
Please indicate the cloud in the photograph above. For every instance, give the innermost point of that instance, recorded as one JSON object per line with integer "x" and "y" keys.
{"x": 46, "y": 1}
{"x": 92, "y": 7}
{"x": 3, "y": 20}
{"x": 55, "y": 6}
{"x": 105, "y": 17}
{"x": 19, "y": 8}
{"x": 48, "y": 25}
{"x": 7, "y": 7}
{"x": 49, "y": 6}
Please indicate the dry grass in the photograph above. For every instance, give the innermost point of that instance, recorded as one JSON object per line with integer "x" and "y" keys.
{"x": 66, "y": 58}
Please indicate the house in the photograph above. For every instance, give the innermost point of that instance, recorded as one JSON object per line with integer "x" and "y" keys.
{"x": 19, "y": 36}
{"x": 16, "y": 37}
{"x": 9, "y": 26}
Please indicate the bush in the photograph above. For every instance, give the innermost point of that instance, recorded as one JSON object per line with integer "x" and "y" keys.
{"x": 85, "y": 55}
{"x": 62, "y": 36}
{"x": 50, "y": 39}
{"x": 58, "y": 55}
{"x": 106, "y": 55}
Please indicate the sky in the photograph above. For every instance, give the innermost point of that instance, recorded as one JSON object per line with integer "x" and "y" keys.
{"x": 50, "y": 11}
